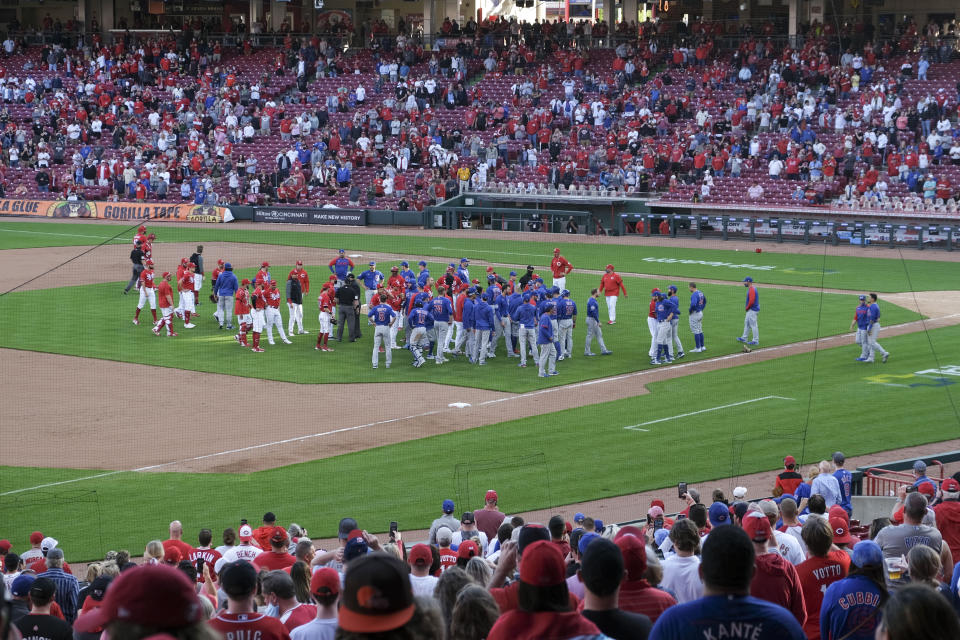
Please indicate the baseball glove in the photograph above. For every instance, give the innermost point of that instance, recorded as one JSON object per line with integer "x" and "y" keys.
{"x": 213, "y": 298}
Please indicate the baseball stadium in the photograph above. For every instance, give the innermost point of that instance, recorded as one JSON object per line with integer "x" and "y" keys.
{"x": 541, "y": 271}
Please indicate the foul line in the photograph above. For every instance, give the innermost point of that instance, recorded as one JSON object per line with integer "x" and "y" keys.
{"x": 694, "y": 413}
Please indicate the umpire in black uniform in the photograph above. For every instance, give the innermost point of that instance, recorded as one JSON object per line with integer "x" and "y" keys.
{"x": 136, "y": 257}
{"x": 348, "y": 303}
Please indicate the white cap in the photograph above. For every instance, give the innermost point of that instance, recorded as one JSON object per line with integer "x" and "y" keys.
{"x": 739, "y": 492}
{"x": 48, "y": 543}
{"x": 245, "y": 533}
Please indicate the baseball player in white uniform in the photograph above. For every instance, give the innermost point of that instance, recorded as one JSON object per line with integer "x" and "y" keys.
{"x": 147, "y": 292}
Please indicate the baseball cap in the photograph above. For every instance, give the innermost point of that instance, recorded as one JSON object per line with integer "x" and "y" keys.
{"x": 377, "y": 595}
{"x": 448, "y": 506}
{"x": 43, "y": 589}
{"x": 719, "y": 514}
{"x": 598, "y": 525}
{"x": 299, "y": 263}
{"x": 372, "y": 263}
{"x": 20, "y": 587}
{"x": 529, "y": 534}
{"x": 462, "y": 260}
{"x": 48, "y": 543}
{"x": 245, "y": 533}
{"x": 98, "y": 588}
{"x": 491, "y": 277}
{"x": 5, "y": 546}
{"x": 757, "y": 526}
{"x": 444, "y": 535}
{"x": 654, "y": 293}
{"x": 578, "y": 517}
{"x": 238, "y": 578}
{"x": 530, "y": 267}
{"x": 513, "y": 273}
{"x": 585, "y": 541}
{"x": 467, "y": 518}
{"x": 610, "y": 266}
{"x": 672, "y": 287}
{"x": 748, "y": 279}
{"x": 245, "y": 282}
{"x": 468, "y": 549}
{"x": 739, "y": 492}
{"x": 404, "y": 264}
{"x": 149, "y": 596}
{"x": 171, "y": 556}
{"x": 867, "y": 553}
{"x": 220, "y": 261}
{"x": 340, "y": 251}
{"x": 36, "y": 537}
{"x": 228, "y": 266}
{"x": 927, "y": 489}
{"x": 950, "y": 484}
{"x": 264, "y": 264}
{"x": 863, "y": 297}
{"x": 789, "y": 461}
{"x": 841, "y": 532}
{"x": 556, "y": 249}
{"x": 324, "y": 582}
{"x": 838, "y": 458}
{"x": 149, "y": 263}
{"x": 634, "y": 556}
{"x": 630, "y": 530}
{"x": 655, "y": 512}
{"x": 491, "y": 495}
{"x": 920, "y": 466}
{"x": 422, "y": 263}
{"x": 394, "y": 268}
{"x": 542, "y": 565}
{"x": 279, "y": 535}
{"x": 420, "y": 554}
{"x": 346, "y": 526}
{"x": 356, "y": 547}
{"x": 489, "y": 269}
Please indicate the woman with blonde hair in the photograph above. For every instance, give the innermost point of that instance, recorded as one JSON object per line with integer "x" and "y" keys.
{"x": 153, "y": 554}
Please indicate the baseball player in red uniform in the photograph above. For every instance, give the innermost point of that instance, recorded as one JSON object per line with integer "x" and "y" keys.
{"x": 181, "y": 270}
{"x": 140, "y": 236}
{"x": 186, "y": 285}
{"x": 296, "y": 310}
{"x": 611, "y": 284}
{"x": 241, "y": 309}
{"x": 145, "y": 285}
{"x": 560, "y": 268}
{"x": 652, "y": 323}
{"x": 257, "y": 317}
{"x": 273, "y": 317}
{"x": 395, "y": 281}
{"x": 263, "y": 275}
{"x": 165, "y": 294}
{"x": 147, "y": 246}
{"x": 325, "y": 303}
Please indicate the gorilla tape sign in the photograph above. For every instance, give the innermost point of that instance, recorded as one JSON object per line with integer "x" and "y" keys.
{"x": 114, "y": 210}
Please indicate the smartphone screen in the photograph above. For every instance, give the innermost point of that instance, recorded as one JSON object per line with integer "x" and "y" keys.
{"x": 393, "y": 526}
{"x": 681, "y": 489}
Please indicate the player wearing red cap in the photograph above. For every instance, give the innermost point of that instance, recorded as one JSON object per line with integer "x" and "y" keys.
{"x": 181, "y": 270}
{"x": 257, "y": 314}
{"x": 273, "y": 317}
{"x": 612, "y": 284}
{"x": 560, "y": 268}
{"x": 140, "y": 236}
{"x": 325, "y": 303}
{"x": 241, "y": 309}
{"x": 185, "y": 285}
{"x": 145, "y": 285}
{"x": 263, "y": 275}
{"x": 165, "y": 294}
{"x": 296, "y": 308}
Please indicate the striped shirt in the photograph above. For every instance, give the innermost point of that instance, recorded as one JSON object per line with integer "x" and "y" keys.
{"x": 68, "y": 589}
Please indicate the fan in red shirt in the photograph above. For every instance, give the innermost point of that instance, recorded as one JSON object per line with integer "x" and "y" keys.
{"x": 278, "y": 591}
{"x": 240, "y": 620}
{"x": 611, "y": 284}
{"x": 205, "y": 553}
{"x": 825, "y": 565}
{"x": 165, "y": 296}
{"x": 636, "y": 594}
{"x": 775, "y": 579}
{"x": 176, "y": 541}
{"x": 277, "y": 557}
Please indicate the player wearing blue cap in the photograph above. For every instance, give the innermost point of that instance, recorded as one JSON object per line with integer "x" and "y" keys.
{"x": 485, "y": 322}
{"x": 674, "y": 324}
{"x": 593, "y": 325}
{"x": 545, "y": 340}
{"x": 874, "y": 331}
{"x": 566, "y": 321}
{"x": 492, "y": 296}
{"x": 423, "y": 275}
{"x": 861, "y": 320}
{"x": 752, "y": 309}
{"x": 420, "y": 321}
{"x": 340, "y": 267}
{"x": 505, "y": 326}
{"x": 441, "y": 309}
{"x": 383, "y": 317}
{"x": 468, "y": 319}
{"x": 664, "y": 316}
{"x": 464, "y": 271}
{"x": 406, "y": 272}
{"x": 371, "y": 279}
{"x": 525, "y": 318}
{"x": 695, "y": 314}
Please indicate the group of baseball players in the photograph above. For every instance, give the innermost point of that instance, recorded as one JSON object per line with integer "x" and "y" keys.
{"x": 452, "y": 315}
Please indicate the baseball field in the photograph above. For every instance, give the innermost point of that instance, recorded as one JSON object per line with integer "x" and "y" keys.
{"x": 109, "y": 432}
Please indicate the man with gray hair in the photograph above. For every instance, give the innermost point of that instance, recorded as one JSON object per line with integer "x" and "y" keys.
{"x": 68, "y": 589}
{"x": 896, "y": 541}
{"x": 448, "y": 557}
{"x": 826, "y": 484}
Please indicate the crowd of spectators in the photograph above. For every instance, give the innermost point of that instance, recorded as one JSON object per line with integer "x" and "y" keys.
{"x": 795, "y": 566}
{"x": 502, "y": 105}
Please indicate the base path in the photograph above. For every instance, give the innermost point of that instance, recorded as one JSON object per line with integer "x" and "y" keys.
{"x": 77, "y": 434}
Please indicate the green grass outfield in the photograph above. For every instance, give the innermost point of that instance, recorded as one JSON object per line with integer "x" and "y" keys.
{"x": 95, "y": 321}
{"x": 781, "y": 267}
{"x": 569, "y": 456}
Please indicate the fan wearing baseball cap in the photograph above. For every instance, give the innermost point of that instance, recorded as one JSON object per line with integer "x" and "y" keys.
{"x": 243, "y": 551}
{"x": 775, "y": 579}
{"x": 512, "y": 554}
{"x": 40, "y": 623}
{"x": 787, "y": 480}
{"x": 325, "y": 589}
{"x": 948, "y": 515}
{"x": 446, "y": 520}
{"x": 602, "y": 572}
{"x": 543, "y": 601}
{"x": 727, "y": 610}
{"x": 278, "y": 557}
{"x": 377, "y": 597}
{"x": 147, "y": 601}
{"x": 852, "y": 606}
{"x": 489, "y": 518}
{"x": 636, "y": 594}
{"x": 420, "y": 559}
{"x": 34, "y": 551}
{"x": 240, "y": 619}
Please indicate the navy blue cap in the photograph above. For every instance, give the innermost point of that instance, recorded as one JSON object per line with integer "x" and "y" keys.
{"x": 422, "y": 263}
{"x": 672, "y": 287}
{"x": 748, "y": 279}
{"x": 448, "y": 506}
{"x": 372, "y": 263}
{"x": 404, "y": 264}
{"x": 491, "y": 278}
{"x": 340, "y": 250}
{"x": 462, "y": 260}
{"x": 228, "y": 266}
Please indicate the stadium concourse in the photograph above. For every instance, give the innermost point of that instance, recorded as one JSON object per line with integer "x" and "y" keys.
{"x": 839, "y": 119}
